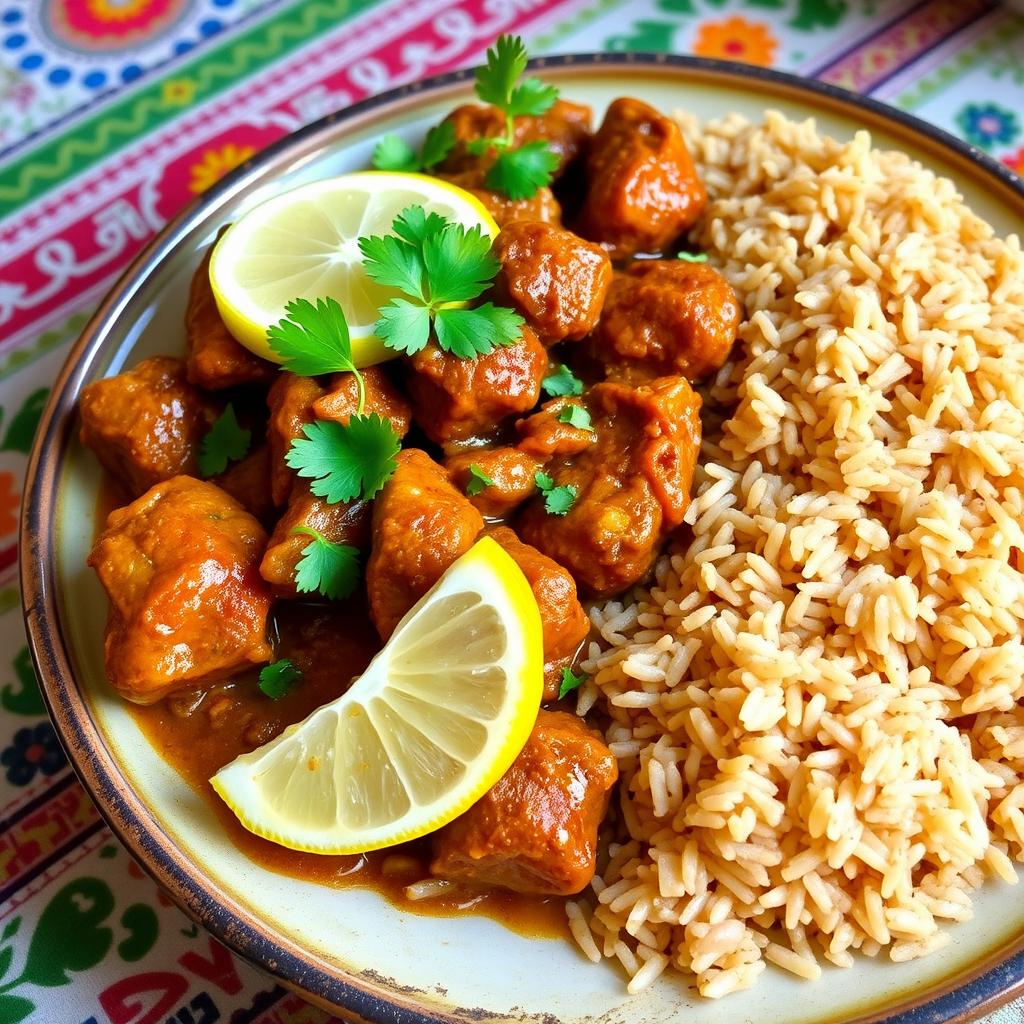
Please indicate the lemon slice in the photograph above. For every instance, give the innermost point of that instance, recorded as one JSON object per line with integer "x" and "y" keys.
{"x": 434, "y": 721}
{"x": 303, "y": 244}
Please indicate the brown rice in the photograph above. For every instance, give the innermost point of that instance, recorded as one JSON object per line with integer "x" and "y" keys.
{"x": 814, "y": 704}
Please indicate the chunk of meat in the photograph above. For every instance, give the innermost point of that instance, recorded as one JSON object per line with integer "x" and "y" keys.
{"x": 215, "y": 360}
{"x": 562, "y": 617}
{"x": 541, "y": 206}
{"x": 341, "y": 399}
{"x": 544, "y": 436}
{"x": 535, "y": 830}
{"x": 187, "y": 604}
{"x": 666, "y": 317}
{"x": 146, "y": 424}
{"x": 632, "y": 484}
{"x": 513, "y": 474}
{"x": 248, "y": 482}
{"x": 643, "y": 191}
{"x": 455, "y": 399}
{"x": 421, "y": 524}
{"x": 565, "y": 127}
{"x": 290, "y": 401}
{"x": 556, "y": 279}
{"x": 341, "y": 523}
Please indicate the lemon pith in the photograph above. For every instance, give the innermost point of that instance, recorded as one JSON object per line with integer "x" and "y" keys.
{"x": 435, "y": 720}
{"x": 303, "y": 244}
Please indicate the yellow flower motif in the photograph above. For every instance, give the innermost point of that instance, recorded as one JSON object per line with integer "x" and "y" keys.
{"x": 215, "y": 163}
{"x": 117, "y": 10}
{"x": 736, "y": 39}
{"x": 178, "y": 92}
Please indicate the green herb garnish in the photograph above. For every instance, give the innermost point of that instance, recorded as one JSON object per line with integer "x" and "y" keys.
{"x": 278, "y": 678}
{"x": 393, "y": 153}
{"x": 436, "y": 263}
{"x": 692, "y": 257}
{"x": 557, "y": 500}
{"x": 478, "y": 480}
{"x": 225, "y": 442}
{"x": 347, "y": 461}
{"x": 562, "y": 382}
{"x": 570, "y": 682}
{"x": 516, "y": 172}
{"x": 576, "y": 416}
{"x": 325, "y": 567}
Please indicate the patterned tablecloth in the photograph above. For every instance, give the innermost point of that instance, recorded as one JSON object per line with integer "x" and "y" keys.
{"x": 113, "y": 114}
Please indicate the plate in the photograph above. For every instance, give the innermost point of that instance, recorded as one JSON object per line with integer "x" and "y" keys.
{"x": 349, "y": 950}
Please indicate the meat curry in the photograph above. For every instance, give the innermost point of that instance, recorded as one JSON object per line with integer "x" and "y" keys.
{"x": 201, "y": 573}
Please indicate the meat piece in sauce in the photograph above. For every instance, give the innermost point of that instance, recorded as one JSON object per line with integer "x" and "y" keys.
{"x": 666, "y": 317}
{"x": 562, "y": 617}
{"x": 632, "y": 484}
{"x": 542, "y": 205}
{"x": 248, "y": 482}
{"x": 296, "y": 401}
{"x": 340, "y": 523}
{"x": 215, "y": 360}
{"x": 535, "y": 830}
{"x": 455, "y": 399}
{"x": 544, "y": 435}
{"x": 187, "y": 604}
{"x": 421, "y": 524}
{"x": 555, "y": 279}
{"x": 513, "y": 474}
{"x": 642, "y": 187}
{"x": 565, "y": 127}
{"x": 146, "y": 424}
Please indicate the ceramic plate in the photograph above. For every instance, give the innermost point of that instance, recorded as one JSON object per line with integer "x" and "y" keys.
{"x": 348, "y": 949}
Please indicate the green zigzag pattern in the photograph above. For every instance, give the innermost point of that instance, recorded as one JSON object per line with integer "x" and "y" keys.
{"x": 292, "y": 26}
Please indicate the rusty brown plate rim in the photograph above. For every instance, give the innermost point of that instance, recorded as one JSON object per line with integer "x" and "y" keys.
{"x": 965, "y": 996}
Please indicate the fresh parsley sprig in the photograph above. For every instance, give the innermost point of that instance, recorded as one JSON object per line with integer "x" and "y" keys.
{"x": 225, "y": 442}
{"x": 478, "y": 481}
{"x": 325, "y": 567}
{"x": 562, "y": 382}
{"x": 557, "y": 500}
{"x": 393, "y": 153}
{"x": 521, "y": 171}
{"x": 576, "y": 416}
{"x": 570, "y": 682}
{"x": 437, "y": 264}
{"x": 692, "y": 257}
{"x": 278, "y": 678}
{"x": 344, "y": 461}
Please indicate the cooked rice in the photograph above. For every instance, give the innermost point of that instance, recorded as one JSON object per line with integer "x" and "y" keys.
{"x": 814, "y": 706}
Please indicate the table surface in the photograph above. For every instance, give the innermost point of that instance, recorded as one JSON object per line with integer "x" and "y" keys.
{"x": 113, "y": 114}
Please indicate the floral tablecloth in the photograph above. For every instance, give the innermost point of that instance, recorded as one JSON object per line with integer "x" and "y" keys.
{"x": 113, "y": 114}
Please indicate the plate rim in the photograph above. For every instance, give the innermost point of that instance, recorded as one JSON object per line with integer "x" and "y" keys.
{"x": 997, "y": 979}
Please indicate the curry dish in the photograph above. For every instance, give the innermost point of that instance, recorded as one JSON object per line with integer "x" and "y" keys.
{"x": 201, "y": 572}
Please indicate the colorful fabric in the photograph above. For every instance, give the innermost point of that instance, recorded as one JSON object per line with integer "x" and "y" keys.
{"x": 113, "y": 114}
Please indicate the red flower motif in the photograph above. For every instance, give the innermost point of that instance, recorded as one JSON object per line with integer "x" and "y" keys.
{"x": 10, "y": 500}
{"x": 1015, "y": 161}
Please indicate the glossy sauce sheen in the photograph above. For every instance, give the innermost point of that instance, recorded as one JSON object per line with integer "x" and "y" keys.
{"x": 197, "y": 734}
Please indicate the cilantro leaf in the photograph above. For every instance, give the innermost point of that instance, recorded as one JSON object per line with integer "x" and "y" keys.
{"x": 325, "y": 567}
{"x": 439, "y": 142}
{"x": 531, "y": 96}
{"x": 557, "y": 500}
{"x": 393, "y": 262}
{"x": 403, "y": 326}
{"x": 393, "y": 153}
{"x": 345, "y": 462}
{"x": 414, "y": 225}
{"x": 692, "y": 257}
{"x": 225, "y": 442}
{"x": 520, "y": 172}
{"x": 506, "y": 61}
{"x": 312, "y": 339}
{"x": 562, "y": 382}
{"x": 570, "y": 682}
{"x": 278, "y": 678}
{"x": 459, "y": 263}
{"x": 478, "y": 480}
{"x": 576, "y": 416}
{"x": 468, "y": 333}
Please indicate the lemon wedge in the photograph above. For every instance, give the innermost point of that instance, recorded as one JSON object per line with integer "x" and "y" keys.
{"x": 434, "y": 721}
{"x": 303, "y": 244}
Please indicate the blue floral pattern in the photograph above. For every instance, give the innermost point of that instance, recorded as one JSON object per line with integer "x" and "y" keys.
{"x": 34, "y": 749}
{"x": 985, "y": 124}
